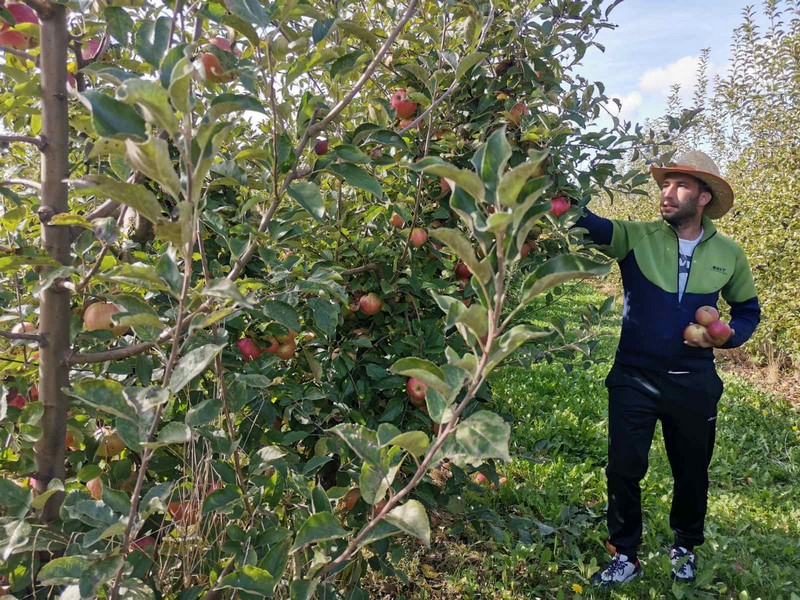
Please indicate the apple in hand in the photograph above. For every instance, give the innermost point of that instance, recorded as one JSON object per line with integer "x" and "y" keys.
{"x": 705, "y": 315}
{"x": 695, "y": 334}
{"x": 558, "y": 206}
{"x": 719, "y": 331}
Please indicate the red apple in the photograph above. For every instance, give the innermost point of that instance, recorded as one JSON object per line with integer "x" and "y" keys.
{"x": 273, "y": 346}
{"x": 286, "y": 351}
{"x": 705, "y": 315}
{"x": 321, "y": 147}
{"x": 33, "y": 393}
{"x": 351, "y": 498}
{"x": 462, "y": 271}
{"x": 694, "y": 333}
{"x": 558, "y": 206}
{"x": 502, "y": 481}
{"x": 144, "y": 544}
{"x": 223, "y": 44}
{"x": 526, "y": 249}
{"x": 95, "y": 487}
{"x": 370, "y": 304}
{"x": 24, "y": 327}
{"x": 13, "y": 38}
{"x": 89, "y": 49}
{"x": 719, "y": 331}
{"x": 286, "y": 337}
{"x": 402, "y": 105}
{"x": 481, "y": 479}
{"x": 397, "y": 221}
{"x": 249, "y": 349}
{"x": 18, "y": 401}
{"x": 378, "y": 507}
{"x": 418, "y": 236}
{"x": 516, "y": 112}
{"x": 416, "y": 391}
{"x": 186, "y": 511}
{"x": 444, "y": 185}
{"x": 212, "y": 69}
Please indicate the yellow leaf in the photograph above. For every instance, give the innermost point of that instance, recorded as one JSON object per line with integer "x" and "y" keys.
{"x": 429, "y": 572}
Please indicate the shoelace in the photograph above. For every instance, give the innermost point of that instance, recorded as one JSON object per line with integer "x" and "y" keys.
{"x": 679, "y": 554}
{"x": 615, "y": 566}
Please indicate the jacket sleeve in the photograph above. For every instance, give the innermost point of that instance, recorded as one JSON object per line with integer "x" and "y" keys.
{"x": 618, "y": 236}
{"x": 740, "y": 294}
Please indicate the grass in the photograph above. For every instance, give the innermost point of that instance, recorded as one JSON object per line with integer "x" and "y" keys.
{"x": 541, "y": 535}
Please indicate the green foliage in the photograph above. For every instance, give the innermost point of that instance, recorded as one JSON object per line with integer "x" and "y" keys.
{"x": 245, "y": 393}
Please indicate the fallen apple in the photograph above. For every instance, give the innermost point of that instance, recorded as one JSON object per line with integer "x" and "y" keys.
{"x": 705, "y": 315}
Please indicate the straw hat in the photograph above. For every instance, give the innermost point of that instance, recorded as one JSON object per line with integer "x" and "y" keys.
{"x": 699, "y": 164}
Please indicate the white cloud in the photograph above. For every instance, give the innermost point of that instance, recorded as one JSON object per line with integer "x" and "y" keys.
{"x": 630, "y": 105}
{"x": 659, "y": 80}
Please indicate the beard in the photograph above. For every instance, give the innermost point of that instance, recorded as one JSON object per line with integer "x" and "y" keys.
{"x": 682, "y": 214}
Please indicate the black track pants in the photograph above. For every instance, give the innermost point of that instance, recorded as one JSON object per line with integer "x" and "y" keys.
{"x": 686, "y": 405}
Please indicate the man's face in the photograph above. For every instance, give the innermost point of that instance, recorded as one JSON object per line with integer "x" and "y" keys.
{"x": 681, "y": 199}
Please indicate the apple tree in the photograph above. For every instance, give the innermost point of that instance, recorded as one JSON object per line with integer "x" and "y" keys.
{"x": 258, "y": 262}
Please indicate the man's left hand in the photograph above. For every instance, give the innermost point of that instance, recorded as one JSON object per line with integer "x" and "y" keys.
{"x": 708, "y": 341}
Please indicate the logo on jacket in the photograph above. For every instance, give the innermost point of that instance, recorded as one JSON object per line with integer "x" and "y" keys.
{"x": 722, "y": 270}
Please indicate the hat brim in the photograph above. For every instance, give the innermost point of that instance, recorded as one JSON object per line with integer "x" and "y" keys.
{"x": 722, "y": 200}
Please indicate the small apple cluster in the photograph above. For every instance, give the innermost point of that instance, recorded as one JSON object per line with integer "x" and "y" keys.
{"x": 708, "y": 322}
{"x": 282, "y": 346}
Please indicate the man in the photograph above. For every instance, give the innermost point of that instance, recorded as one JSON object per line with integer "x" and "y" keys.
{"x": 670, "y": 268}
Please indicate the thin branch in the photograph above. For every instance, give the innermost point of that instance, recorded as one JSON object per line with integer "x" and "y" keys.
{"x": 30, "y": 337}
{"x": 23, "y": 139}
{"x": 110, "y": 355}
{"x": 20, "y": 54}
{"x": 26, "y": 182}
{"x": 362, "y": 269}
{"x": 106, "y": 209}
{"x": 95, "y": 267}
{"x": 377, "y": 59}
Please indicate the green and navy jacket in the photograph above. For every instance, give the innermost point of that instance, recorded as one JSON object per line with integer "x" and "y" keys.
{"x": 653, "y": 318}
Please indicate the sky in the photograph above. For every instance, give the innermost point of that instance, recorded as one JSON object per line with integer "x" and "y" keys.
{"x": 657, "y": 43}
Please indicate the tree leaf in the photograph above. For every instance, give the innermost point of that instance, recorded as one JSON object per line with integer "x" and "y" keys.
{"x": 118, "y": 22}
{"x": 421, "y": 369}
{"x": 510, "y": 341}
{"x": 490, "y": 160}
{"x": 469, "y": 61}
{"x": 225, "y": 288}
{"x": 558, "y": 270}
{"x": 320, "y": 527}
{"x": 249, "y": 579}
{"x": 481, "y": 436}
{"x": 136, "y": 196}
{"x": 180, "y": 89}
{"x": 362, "y": 440}
{"x": 16, "y": 534}
{"x": 99, "y": 573}
{"x": 416, "y": 442}
{"x": 308, "y": 196}
{"x": 326, "y": 315}
{"x": 358, "y": 178}
{"x": 153, "y": 160}
{"x": 112, "y": 118}
{"x": 466, "y": 180}
{"x": 152, "y": 39}
{"x": 64, "y": 570}
{"x": 153, "y": 100}
{"x": 512, "y": 182}
{"x": 191, "y": 365}
{"x": 251, "y": 11}
{"x": 411, "y": 518}
{"x": 172, "y": 433}
{"x": 219, "y": 499}
{"x": 203, "y": 412}
{"x": 104, "y": 395}
{"x": 283, "y": 313}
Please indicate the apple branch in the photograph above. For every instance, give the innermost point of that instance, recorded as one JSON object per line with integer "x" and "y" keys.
{"x": 28, "y": 337}
{"x": 39, "y": 142}
{"x": 376, "y": 60}
{"x": 26, "y": 182}
{"x": 19, "y": 53}
{"x": 95, "y": 267}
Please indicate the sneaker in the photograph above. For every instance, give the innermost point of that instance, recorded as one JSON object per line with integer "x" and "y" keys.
{"x": 683, "y": 564}
{"x": 619, "y": 570}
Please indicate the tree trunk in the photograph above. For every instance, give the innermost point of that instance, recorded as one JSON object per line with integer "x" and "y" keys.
{"x": 54, "y": 315}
